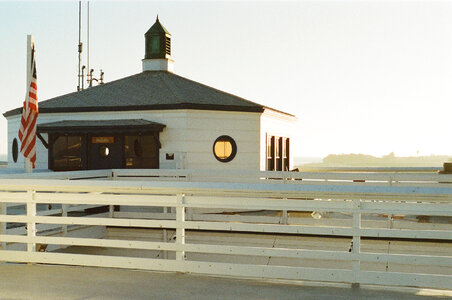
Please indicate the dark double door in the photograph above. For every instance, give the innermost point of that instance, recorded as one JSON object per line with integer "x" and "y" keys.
{"x": 105, "y": 152}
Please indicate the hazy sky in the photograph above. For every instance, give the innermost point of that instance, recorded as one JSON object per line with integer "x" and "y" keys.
{"x": 361, "y": 76}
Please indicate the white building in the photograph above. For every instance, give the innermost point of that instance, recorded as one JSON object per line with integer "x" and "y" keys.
{"x": 155, "y": 119}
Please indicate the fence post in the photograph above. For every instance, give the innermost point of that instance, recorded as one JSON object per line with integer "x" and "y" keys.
{"x": 111, "y": 211}
{"x": 165, "y": 234}
{"x": 180, "y": 229}
{"x": 356, "y": 242}
{"x": 284, "y": 216}
{"x": 31, "y": 224}
{"x": 3, "y": 225}
{"x": 64, "y": 214}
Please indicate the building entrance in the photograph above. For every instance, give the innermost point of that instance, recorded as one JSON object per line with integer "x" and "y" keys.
{"x": 102, "y": 144}
{"x": 105, "y": 152}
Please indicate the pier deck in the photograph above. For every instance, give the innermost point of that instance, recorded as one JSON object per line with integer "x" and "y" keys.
{"x": 21, "y": 281}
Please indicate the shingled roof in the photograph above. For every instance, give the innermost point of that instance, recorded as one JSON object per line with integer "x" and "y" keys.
{"x": 149, "y": 90}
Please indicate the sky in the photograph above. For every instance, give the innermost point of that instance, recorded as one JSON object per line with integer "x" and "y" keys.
{"x": 369, "y": 76}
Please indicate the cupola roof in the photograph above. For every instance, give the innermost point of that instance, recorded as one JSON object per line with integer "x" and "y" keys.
{"x": 157, "y": 28}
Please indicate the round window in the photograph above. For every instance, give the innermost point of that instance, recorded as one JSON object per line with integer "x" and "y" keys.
{"x": 224, "y": 148}
{"x": 15, "y": 150}
{"x": 104, "y": 151}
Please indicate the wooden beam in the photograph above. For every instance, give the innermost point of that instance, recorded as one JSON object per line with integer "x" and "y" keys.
{"x": 41, "y": 138}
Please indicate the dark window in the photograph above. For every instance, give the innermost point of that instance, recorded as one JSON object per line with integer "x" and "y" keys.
{"x": 277, "y": 153}
{"x": 67, "y": 153}
{"x": 137, "y": 148}
{"x": 104, "y": 151}
{"x": 15, "y": 150}
{"x": 270, "y": 153}
{"x": 286, "y": 163}
{"x": 155, "y": 45}
{"x": 141, "y": 151}
{"x": 224, "y": 148}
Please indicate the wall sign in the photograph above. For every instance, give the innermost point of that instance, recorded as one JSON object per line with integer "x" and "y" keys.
{"x": 102, "y": 139}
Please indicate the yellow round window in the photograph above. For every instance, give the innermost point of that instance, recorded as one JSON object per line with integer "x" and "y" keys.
{"x": 224, "y": 148}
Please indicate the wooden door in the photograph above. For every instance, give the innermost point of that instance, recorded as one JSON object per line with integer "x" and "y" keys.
{"x": 105, "y": 152}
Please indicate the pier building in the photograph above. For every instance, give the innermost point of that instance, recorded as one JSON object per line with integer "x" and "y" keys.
{"x": 155, "y": 119}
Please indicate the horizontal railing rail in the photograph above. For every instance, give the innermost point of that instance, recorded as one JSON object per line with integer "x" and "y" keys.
{"x": 391, "y": 178}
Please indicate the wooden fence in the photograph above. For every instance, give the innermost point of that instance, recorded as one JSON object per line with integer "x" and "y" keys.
{"x": 388, "y": 176}
{"x": 168, "y": 206}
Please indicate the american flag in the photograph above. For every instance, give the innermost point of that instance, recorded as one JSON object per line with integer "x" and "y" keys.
{"x": 27, "y": 131}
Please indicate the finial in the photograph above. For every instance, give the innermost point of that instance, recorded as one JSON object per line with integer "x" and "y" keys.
{"x": 157, "y": 20}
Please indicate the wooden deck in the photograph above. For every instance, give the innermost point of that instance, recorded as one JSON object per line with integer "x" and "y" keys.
{"x": 70, "y": 283}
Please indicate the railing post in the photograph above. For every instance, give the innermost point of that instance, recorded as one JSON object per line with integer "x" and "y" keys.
{"x": 111, "y": 211}
{"x": 390, "y": 221}
{"x": 356, "y": 242}
{"x": 180, "y": 229}
{"x": 31, "y": 224}
{"x": 165, "y": 234}
{"x": 284, "y": 216}
{"x": 3, "y": 225}
{"x": 64, "y": 214}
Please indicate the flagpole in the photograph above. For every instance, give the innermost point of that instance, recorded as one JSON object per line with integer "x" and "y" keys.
{"x": 28, "y": 164}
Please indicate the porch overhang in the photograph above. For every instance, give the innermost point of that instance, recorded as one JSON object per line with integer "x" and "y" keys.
{"x": 101, "y": 126}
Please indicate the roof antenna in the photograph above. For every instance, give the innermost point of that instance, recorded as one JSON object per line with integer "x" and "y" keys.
{"x": 79, "y": 42}
{"x": 89, "y": 72}
{"x": 87, "y": 36}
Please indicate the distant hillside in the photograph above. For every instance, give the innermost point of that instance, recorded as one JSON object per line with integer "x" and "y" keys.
{"x": 390, "y": 160}
{"x": 303, "y": 160}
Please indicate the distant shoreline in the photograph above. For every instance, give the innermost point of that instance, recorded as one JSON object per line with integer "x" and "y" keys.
{"x": 363, "y": 160}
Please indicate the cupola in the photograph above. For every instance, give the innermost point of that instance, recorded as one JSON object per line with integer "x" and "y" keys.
{"x": 157, "y": 55}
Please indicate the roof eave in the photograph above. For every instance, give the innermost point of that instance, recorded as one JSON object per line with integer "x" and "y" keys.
{"x": 238, "y": 108}
{"x": 280, "y": 112}
{"x": 13, "y": 112}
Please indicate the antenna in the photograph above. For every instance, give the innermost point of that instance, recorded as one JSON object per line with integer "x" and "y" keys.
{"x": 83, "y": 77}
{"x": 79, "y": 41}
{"x": 87, "y": 37}
{"x": 81, "y": 69}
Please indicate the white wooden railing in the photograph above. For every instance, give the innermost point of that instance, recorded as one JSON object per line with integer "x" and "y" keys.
{"x": 169, "y": 207}
{"x": 391, "y": 178}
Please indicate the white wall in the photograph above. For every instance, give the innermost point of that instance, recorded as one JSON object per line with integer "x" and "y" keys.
{"x": 189, "y": 135}
{"x": 204, "y": 127}
{"x": 41, "y": 151}
{"x": 276, "y": 124}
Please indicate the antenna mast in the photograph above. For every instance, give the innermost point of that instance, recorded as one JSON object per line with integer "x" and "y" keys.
{"x": 79, "y": 42}
{"x": 87, "y": 37}
{"x": 81, "y": 69}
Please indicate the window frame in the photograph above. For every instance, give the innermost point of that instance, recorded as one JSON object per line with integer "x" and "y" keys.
{"x": 225, "y": 138}
{"x": 138, "y": 161}
{"x": 277, "y": 156}
{"x": 51, "y": 154}
{"x": 15, "y": 150}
